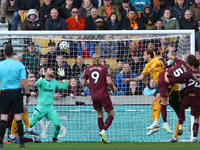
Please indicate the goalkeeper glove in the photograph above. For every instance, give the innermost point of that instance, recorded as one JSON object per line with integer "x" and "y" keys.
{"x": 61, "y": 72}
{"x": 43, "y": 73}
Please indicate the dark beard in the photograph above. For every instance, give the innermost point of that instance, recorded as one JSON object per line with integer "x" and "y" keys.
{"x": 52, "y": 76}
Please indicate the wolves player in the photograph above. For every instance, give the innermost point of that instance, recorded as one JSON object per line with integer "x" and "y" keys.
{"x": 191, "y": 99}
{"x": 44, "y": 106}
{"x": 175, "y": 74}
{"x": 99, "y": 77}
{"x": 154, "y": 67}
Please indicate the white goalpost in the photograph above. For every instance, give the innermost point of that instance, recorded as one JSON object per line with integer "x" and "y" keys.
{"x": 132, "y": 107}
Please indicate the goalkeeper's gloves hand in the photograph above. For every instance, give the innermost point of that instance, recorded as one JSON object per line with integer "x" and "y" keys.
{"x": 61, "y": 72}
{"x": 43, "y": 73}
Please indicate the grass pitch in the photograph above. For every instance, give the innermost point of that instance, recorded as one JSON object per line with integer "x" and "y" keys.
{"x": 112, "y": 146}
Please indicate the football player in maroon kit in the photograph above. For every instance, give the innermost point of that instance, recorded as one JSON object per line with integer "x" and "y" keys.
{"x": 99, "y": 77}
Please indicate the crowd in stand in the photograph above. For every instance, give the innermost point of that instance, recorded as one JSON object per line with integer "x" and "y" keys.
{"x": 103, "y": 15}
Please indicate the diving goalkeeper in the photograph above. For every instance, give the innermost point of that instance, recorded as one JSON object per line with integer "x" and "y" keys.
{"x": 44, "y": 108}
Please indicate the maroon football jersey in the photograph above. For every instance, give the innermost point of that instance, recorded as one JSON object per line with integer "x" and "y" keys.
{"x": 179, "y": 72}
{"x": 97, "y": 77}
{"x": 191, "y": 85}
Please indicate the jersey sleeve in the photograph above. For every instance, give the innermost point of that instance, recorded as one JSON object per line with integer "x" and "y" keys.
{"x": 85, "y": 76}
{"x": 38, "y": 83}
{"x": 107, "y": 72}
{"x": 61, "y": 85}
{"x": 145, "y": 71}
{"x": 176, "y": 60}
{"x": 22, "y": 72}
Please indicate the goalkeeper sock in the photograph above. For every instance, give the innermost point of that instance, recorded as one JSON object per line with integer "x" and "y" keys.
{"x": 157, "y": 109}
{"x": 2, "y": 130}
{"x": 164, "y": 113}
{"x": 108, "y": 122}
{"x": 13, "y": 127}
{"x": 100, "y": 123}
{"x": 20, "y": 131}
{"x": 25, "y": 119}
{"x": 195, "y": 129}
{"x": 176, "y": 131}
{"x": 152, "y": 111}
{"x": 56, "y": 131}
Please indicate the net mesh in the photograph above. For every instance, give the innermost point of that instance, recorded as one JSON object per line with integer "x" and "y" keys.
{"x": 74, "y": 106}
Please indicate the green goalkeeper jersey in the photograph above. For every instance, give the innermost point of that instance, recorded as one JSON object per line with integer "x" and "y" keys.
{"x": 47, "y": 90}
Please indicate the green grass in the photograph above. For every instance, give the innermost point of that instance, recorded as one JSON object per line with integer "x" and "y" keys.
{"x": 112, "y": 146}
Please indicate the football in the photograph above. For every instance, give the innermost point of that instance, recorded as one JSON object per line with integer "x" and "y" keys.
{"x": 64, "y": 45}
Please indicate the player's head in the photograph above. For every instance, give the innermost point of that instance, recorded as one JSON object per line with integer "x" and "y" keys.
{"x": 191, "y": 59}
{"x": 148, "y": 55}
{"x": 49, "y": 72}
{"x": 95, "y": 58}
{"x": 8, "y": 50}
{"x": 195, "y": 66}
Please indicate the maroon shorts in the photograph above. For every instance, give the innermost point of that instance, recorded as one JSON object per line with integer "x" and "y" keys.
{"x": 163, "y": 85}
{"x": 105, "y": 102}
{"x": 193, "y": 102}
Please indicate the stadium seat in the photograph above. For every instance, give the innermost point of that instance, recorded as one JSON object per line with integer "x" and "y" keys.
{"x": 139, "y": 13}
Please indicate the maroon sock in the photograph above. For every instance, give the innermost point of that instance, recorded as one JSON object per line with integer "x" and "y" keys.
{"x": 164, "y": 112}
{"x": 28, "y": 139}
{"x": 195, "y": 129}
{"x": 108, "y": 122}
{"x": 100, "y": 123}
{"x": 181, "y": 115}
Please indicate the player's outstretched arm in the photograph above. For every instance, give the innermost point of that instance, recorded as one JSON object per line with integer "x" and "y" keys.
{"x": 38, "y": 83}
{"x": 62, "y": 85}
{"x": 110, "y": 83}
{"x": 169, "y": 55}
{"x": 85, "y": 83}
{"x": 163, "y": 61}
{"x": 138, "y": 78}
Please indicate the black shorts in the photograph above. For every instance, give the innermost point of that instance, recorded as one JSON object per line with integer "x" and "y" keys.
{"x": 175, "y": 99}
{"x": 11, "y": 100}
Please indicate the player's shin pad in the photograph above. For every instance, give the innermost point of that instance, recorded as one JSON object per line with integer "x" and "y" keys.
{"x": 157, "y": 109}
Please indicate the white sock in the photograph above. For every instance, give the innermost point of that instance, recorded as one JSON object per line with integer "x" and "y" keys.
{"x": 12, "y": 136}
{"x": 166, "y": 124}
{"x": 156, "y": 121}
{"x": 33, "y": 139}
{"x": 28, "y": 129}
{"x": 174, "y": 138}
{"x": 180, "y": 127}
{"x": 194, "y": 138}
{"x": 103, "y": 131}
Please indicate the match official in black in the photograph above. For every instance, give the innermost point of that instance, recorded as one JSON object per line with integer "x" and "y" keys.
{"x": 11, "y": 97}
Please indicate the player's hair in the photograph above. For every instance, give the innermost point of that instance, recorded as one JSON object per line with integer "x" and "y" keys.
{"x": 96, "y": 58}
{"x": 191, "y": 60}
{"x": 45, "y": 68}
{"x": 151, "y": 53}
{"x": 8, "y": 50}
{"x": 196, "y": 64}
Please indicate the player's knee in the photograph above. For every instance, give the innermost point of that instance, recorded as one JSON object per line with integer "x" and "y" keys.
{"x": 57, "y": 126}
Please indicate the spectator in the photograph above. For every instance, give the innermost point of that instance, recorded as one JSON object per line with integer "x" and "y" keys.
{"x": 108, "y": 48}
{"x": 159, "y": 25}
{"x": 113, "y": 23}
{"x": 195, "y": 9}
{"x": 148, "y": 16}
{"x": 139, "y": 4}
{"x": 188, "y": 22}
{"x": 85, "y": 48}
{"x": 189, "y": 2}
{"x": 123, "y": 46}
{"x": 163, "y": 48}
{"x": 107, "y": 8}
{"x": 160, "y": 8}
{"x": 42, "y": 64}
{"x": 137, "y": 64}
{"x": 120, "y": 64}
{"x": 72, "y": 51}
{"x": 90, "y": 22}
{"x": 32, "y": 21}
{"x": 58, "y": 3}
{"x": 197, "y": 38}
{"x": 197, "y": 55}
{"x": 75, "y": 22}
{"x": 169, "y": 22}
{"x": 151, "y": 89}
{"x": 67, "y": 7}
{"x": 179, "y": 9}
{"x": 118, "y": 3}
{"x": 133, "y": 89}
{"x": 125, "y": 7}
{"x": 77, "y": 3}
{"x": 117, "y": 92}
{"x": 74, "y": 89}
{"x": 31, "y": 83}
{"x": 142, "y": 44}
{"x": 132, "y": 22}
{"x": 63, "y": 66}
{"x": 4, "y": 4}
{"x": 78, "y": 67}
{"x": 21, "y": 5}
{"x": 55, "y": 22}
{"x": 2, "y": 52}
{"x": 85, "y": 9}
{"x": 31, "y": 58}
{"x": 46, "y": 9}
{"x": 51, "y": 55}
{"x": 99, "y": 24}
{"x": 133, "y": 49}
{"x": 125, "y": 73}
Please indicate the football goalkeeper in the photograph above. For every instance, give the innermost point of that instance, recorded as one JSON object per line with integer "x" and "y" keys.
{"x": 44, "y": 108}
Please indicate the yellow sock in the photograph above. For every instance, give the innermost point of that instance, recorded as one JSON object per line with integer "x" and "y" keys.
{"x": 177, "y": 128}
{"x": 157, "y": 109}
{"x": 25, "y": 119}
{"x": 13, "y": 127}
{"x": 152, "y": 111}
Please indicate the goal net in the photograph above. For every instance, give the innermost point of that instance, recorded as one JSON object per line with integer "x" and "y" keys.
{"x": 122, "y": 52}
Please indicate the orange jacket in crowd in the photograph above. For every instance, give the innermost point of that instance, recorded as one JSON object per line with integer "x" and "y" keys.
{"x": 73, "y": 25}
